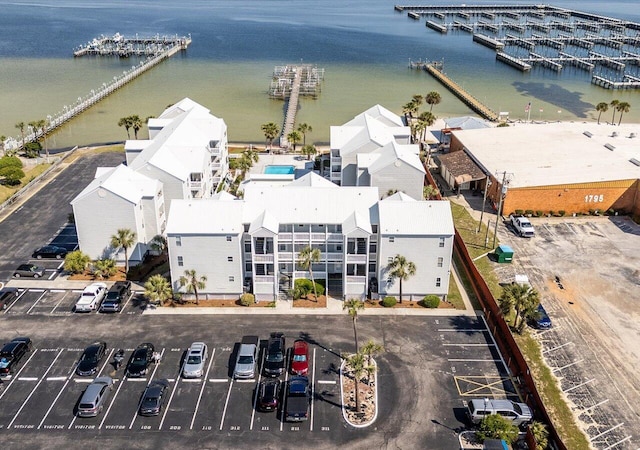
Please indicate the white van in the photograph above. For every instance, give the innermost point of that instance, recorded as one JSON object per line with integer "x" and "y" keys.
{"x": 518, "y": 413}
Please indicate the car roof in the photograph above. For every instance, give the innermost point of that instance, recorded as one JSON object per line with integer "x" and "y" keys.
{"x": 95, "y": 286}
{"x": 197, "y": 347}
{"x": 95, "y": 346}
{"x": 300, "y": 345}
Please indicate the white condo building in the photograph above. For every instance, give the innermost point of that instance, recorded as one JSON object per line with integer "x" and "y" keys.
{"x": 254, "y": 242}
{"x": 185, "y": 157}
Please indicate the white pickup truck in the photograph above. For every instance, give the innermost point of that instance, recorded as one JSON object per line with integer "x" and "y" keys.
{"x": 522, "y": 225}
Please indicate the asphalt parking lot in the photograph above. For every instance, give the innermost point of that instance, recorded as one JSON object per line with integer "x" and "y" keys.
{"x": 592, "y": 347}
{"x": 425, "y": 377}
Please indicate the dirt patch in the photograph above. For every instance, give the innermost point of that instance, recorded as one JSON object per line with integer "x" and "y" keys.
{"x": 311, "y": 302}
{"x": 216, "y": 303}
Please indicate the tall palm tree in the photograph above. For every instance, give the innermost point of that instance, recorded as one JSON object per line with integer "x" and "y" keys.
{"x": 357, "y": 365}
{"x": 306, "y": 258}
{"x": 401, "y": 269}
{"x": 136, "y": 124}
{"x": 432, "y": 98}
{"x": 614, "y": 104}
{"x": 601, "y": 107}
{"x": 43, "y": 126}
{"x": 294, "y": 137}
{"x": 271, "y": 131}
{"x": 20, "y": 126}
{"x": 158, "y": 289}
{"x": 417, "y": 99}
{"x": 159, "y": 244}
{"x": 304, "y": 128}
{"x": 370, "y": 349}
{"x": 426, "y": 119}
{"x": 352, "y": 306}
{"x": 623, "y": 107}
{"x": 126, "y": 123}
{"x": 193, "y": 282}
{"x": 124, "y": 239}
{"x": 309, "y": 150}
{"x": 251, "y": 155}
{"x": 523, "y": 298}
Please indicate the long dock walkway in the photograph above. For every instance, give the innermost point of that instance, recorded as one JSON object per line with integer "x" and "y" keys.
{"x": 95, "y": 95}
{"x": 468, "y": 99}
{"x": 292, "y": 110}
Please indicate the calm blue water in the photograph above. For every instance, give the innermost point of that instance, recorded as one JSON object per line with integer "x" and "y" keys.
{"x": 279, "y": 170}
{"x": 363, "y": 45}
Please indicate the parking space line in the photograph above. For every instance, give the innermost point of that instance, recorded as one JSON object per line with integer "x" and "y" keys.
{"x": 218, "y": 380}
{"x": 313, "y": 388}
{"x": 17, "y": 374}
{"x": 255, "y": 394}
{"x": 191, "y": 380}
{"x": 126, "y": 303}
{"x": 153, "y": 374}
{"x": 28, "y": 379}
{"x": 55, "y": 400}
{"x": 56, "y": 378}
{"x": 504, "y": 364}
{"x": 53, "y": 274}
{"x": 36, "y": 302}
{"x": 24, "y": 291}
{"x": 226, "y": 403}
{"x": 83, "y": 380}
{"x": 60, "y": 265}
{"x": 246, "y": 381}
{"x": 468, "y": 345}
{"x": 326, "y": 381}
{"x": 173, "y": 391}
{"x": 204, "y": 383}
{"x": 284, "y": 395}
{"x": 60, "y": 301}
{"x": 106, "y": 361}
{"x": 34, "y": 389}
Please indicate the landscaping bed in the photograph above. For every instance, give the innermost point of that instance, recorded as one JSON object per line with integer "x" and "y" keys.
{"x": 311, "y": 302}
{"x": 369, "y": 303}
{"x": 367, "y": 392}
{"x": 215, "y": 303}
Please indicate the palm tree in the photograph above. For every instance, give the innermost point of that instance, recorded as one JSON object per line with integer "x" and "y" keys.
{"x": 244, "y": 164}
{"x": 370, "y": 349}
{"x": 43, "y": 126}
{"x": 623, "y": 107}
{"x": 20, "y": 126}
{"x": 352, "y": 306}
{"x": 136, "y": 124}
{"x": 306, "y": 258}
{"x": 271, "y": 131}
{"x": 193, "y": 283}
{"x": 417, "y": 99}
{"x": 251, "y": 155}
{"x": 416, "y": 129}
{"x": 601, "y": 107}
{"x": 540, "y": 434}
{"x": 426, "y": 119}
{"x": 124, "y": 238}
{"x": 401, "y": 269}
{"x": 309, "y": 150}
{"x": 614, "y": 103}
{"x": 294, "y": 137}
{"x": 411, "y": 108}
{"x": 429, "y": 192}
{"x": 524, "y": 299}
{"x": 104, "y": 268}
{"x": 159, "y": 244}
{"x": 126, "y": 123}
{"x": 304, "y": 128}
{"x": 432, "y": 98}
{"x": 157, "y": 289}
{"x": 357, "y": 366}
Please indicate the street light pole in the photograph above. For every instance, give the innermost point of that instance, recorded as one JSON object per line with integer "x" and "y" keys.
{"x": 503, "y": 193}
{"x": 487, "y": 183}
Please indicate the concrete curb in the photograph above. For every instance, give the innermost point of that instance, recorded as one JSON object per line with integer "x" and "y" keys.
{"x": 164, "y": 311}
{"x": 344, "y": 411}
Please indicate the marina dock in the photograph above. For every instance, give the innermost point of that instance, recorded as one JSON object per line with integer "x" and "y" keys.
{"x": 124, "y": 47}
{"x": 476, "y": 105}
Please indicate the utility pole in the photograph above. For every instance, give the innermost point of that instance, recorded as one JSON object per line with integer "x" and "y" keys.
{"x": 487, "y": 183}
{"x": 503, "y": 193}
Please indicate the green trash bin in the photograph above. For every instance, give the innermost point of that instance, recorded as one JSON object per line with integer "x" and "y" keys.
{"x": 504, "y": 254}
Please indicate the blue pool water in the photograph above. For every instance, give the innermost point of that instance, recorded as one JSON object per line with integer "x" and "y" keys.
{"x": 279, "y": 170}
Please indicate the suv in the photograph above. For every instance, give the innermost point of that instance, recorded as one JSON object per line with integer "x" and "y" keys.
{"x": 274, "y": 362}
{"x": 247, "y": 357}
{"x": 11, "y": 354}
{"x": 28, "y": 270}
{"x": 196, "y": 358}
{"x": 118, "y": 293}
{"x": 8, "y": 295}
{"x": 541, "y": 318}
{"x": 518, "y": 413}
{"x": 140, "y": 360}
{"x": 94, "y": 397}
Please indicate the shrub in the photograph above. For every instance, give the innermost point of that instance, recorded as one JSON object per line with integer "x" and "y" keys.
{"x": 552, "y": 213}
{"x": 10, "y": 161}
{"x": 519, "y": 212}
{"x": 76, "y": 262}
{"x": 495, "y": 426}
{"x": 32, "y": 149}
{"x": 529, "y": 212}
{"x": 562, "y": 212}
{"x": 11, "y": 175}
{"x": 611, "y": 212}
{"x": 304, "y": 287}
{"x": 247, "y": 299}
{"x": 592, "y": 212}
{"x": 430, "y": 301}
{"x": 104, "y": 268}
{"x": 538, "y": 213}
{"x": 389, "y": 302}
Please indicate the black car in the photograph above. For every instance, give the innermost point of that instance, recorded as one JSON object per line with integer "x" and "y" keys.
{"x": 118, "y": 293}
{"x": 90, "y": 359}
{"x": 275, "y": 359}
{"x": 50, "y": 251}
{"x": 269, "y": 395}
{"x": 7, "y": 296}
{"x": 28, "y": 270}
{"x": 140, "y": 360}
{"x": 153, "y": 398}
{"x": 11, "y": 354}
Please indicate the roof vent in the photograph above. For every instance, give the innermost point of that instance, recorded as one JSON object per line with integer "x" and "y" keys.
{"x": 632, "y": 135}
{"x": 614, "y": 134}
{"x": 634, "y": 161}
{"x": 587, "y": 134}
{"x": 609, "y": 146}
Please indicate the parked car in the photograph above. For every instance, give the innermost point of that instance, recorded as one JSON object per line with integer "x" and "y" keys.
{"x": 247, "y": 358}
{"x": 153, "y": 398}
{"x": 197, "y": 356}
{"x": 95, "y": 397}
{"x": 300, "y": 358}
{"x": 274, "y": 361}
{"x": 50, "y": 251}
{"x": 91, "y": 297}
{"x": 117, "y": 294}
{"x": 28, "y": 270}
{"x": 297, "y": 399}
{"x": 542, "y": 320}
{"x": 269, "y": 395}
{"x": 11, "y": 354}
{"x": 7, "y": 296}
{"x": 518, "y": 413}
{"x": 91, "y": 358}
{"x": 140, "y": 360}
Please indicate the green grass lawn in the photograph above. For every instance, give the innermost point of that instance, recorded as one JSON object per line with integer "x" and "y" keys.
{"x": 8, "y": 191}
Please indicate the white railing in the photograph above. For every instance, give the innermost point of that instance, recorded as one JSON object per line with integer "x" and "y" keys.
{"x": 356, "y": 258}
{"x": 263, "y": 279}
{"x": 335, "y": 237}
{"x": 318, "y": 237}
{"x": 335, "y": 256}
{"x": 285, "y": 236}
{"x": 263, "y": 258}
{"x": 355, "y": 279}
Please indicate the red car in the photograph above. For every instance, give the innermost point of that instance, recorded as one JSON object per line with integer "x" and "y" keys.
{"x": 300, "y": 358}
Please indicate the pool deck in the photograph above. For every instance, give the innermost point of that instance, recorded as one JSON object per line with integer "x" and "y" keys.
{"x": 298, "y": 161}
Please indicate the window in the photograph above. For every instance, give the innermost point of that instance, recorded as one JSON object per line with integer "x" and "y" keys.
{"x": 442, "y": 242}
{"x": 228, "y": 238}
{"x": 247, "y": 246}
{"x": 247, "y": 267}
{"x": 374, "y": 229}
{"x": 231, "y": 279}
{"x": 178, "y": 241}
{"x": 393, "y": 239}
{"x": 440, "y": 261}
{"x": 373, "y": 246}
{"x": 180, "y": 261}
{"x": 281, "y": 247}
{"x": 438, "y": 282}
{"x": 230, "y": 258}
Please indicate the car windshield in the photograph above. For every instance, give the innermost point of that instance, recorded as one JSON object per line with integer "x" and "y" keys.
{"x": 245, "y": 360}
{"x": 275, "y": 357}
{"x": 517, "y": 408}
{"x": 299, "y": 358}
{"x": 150, "y": 401}
{"x": 88, "y": 294}
{"x": 90, "y": 357}
{"x": 140, "y": 356}
{"x": 194, "y": 359}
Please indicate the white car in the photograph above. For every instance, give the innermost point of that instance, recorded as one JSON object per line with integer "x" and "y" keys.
{"x": 91, "y": 297}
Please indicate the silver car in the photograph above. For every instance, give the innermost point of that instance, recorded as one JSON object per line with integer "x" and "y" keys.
{"x": 197, "y": 356}
{"x": 94, "y": 397}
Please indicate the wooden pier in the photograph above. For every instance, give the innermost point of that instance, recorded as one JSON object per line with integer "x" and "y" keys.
{"x": 456, "y": 89}
{"x": 124, "y": 47}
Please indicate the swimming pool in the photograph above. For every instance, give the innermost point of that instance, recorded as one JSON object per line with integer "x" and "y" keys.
{"x": 279, "y": 170}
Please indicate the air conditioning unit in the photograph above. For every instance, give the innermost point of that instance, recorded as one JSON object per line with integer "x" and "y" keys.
{"x": 632, "y": 135}
{"x": 614, "y": 134}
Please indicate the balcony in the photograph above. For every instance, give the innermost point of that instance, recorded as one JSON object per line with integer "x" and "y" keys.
{"x": 335, "y": 237}
{"x": 318, "y": 236}
{"x": 356, "y": 259}
{"x": 263, "y": 279}
{"x": 334, "y": 257}
{"x": 285, "y": 236}
{"x": 268, "y": 258}
{"x": 355, "y": 279}
{"x": 195, "y": 184}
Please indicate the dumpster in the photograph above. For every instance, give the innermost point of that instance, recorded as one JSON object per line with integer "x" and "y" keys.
{"x": 504, "y": 254}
